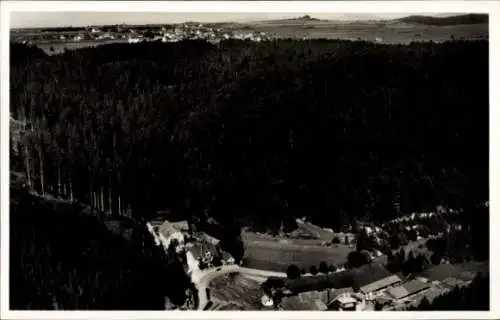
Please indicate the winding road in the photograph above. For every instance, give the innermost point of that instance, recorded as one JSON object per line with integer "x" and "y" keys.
{"x": 202, "y": 278}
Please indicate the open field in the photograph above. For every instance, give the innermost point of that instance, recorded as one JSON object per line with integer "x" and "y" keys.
{"x": 60, "y": 46}
{"x": 316, "y": 231}
{"x": 236, "y": 289}
{"x": 276, "y": 253}
{"x": 390, "y": 33}
{"x": 369, "y": 31}
{"x": 277, "y": 257}
{"x": 464, "y": 271}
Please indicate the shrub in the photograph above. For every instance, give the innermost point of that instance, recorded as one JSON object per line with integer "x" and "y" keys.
{"x": 313, "y": 270}
{"x": 293, "y": 272}
{"x": 356, "y": 259}
{"x": 323, "y": 267}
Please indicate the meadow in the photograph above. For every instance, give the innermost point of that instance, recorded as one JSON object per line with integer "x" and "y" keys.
{"x": 390, "y": 33}
{"x": 277, "y": 257}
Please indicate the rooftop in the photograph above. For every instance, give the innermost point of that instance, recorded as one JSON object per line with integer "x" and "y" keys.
{"x": 408, "y": 289}
{"x": 167, "y": 229}
{"x": 180, "y": 225}
{"x": 346, "y": 299}
{"x": 380, "y": 284}
{"x": 196, "y": 251}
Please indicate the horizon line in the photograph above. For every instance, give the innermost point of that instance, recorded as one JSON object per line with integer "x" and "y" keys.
{"x": 355, "y": 18}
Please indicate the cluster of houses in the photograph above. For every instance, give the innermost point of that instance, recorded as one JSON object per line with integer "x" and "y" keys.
{"x": 202, "y": 250}
{"x": 374, "y": 288}
{"x": 131, "y": 35}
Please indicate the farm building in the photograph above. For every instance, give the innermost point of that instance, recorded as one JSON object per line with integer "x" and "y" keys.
{"x": 408, "y": 289}
{"x": 380, "y": 284}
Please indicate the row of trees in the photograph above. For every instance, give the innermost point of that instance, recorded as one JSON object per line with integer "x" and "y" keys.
{"x": 260, "y": 131}
{"x": 293, "y": 272}
{"x": 407, "y": 263}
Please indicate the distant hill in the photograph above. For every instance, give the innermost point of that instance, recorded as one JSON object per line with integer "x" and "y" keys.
{"x": 304, "y": 18}
{"x": 446, "y": 21}
{"x": 290, "y": 21}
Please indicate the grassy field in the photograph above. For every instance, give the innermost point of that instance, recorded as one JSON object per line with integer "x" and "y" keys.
{"x": 277, "y": 257}
{"x": 464, "y": 271}
{"x": 369, "y": 31}
{"x": 390, "y": 33}
{"x": 317, "y": 231}
{"x": 266, "y": 252}
{"x": 60, "y": 46}
{"x": 236, "y": 290}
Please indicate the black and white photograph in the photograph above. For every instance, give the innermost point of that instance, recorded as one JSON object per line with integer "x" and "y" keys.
{"x": 303, "y": 160}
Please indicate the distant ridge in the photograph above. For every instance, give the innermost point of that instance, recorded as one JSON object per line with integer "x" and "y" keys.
{"x": 446, "y": 21}
{"x": 304, "y": 18}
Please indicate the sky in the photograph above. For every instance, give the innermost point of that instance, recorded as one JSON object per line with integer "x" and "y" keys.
{"x": 63, "y": 19}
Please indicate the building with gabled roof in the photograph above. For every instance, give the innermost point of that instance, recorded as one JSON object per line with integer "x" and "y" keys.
{"x": 168, "y": 232}
{"x": 381, "y": 284}
{"x": 408, "y": 289}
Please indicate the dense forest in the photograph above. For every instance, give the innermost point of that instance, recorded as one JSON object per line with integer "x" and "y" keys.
{"x": 62, "y": 258}
{"x": 464, "y": 19}
{"x": 335, "y": 130}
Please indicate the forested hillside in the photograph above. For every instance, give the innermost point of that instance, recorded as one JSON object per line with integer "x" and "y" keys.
{"x": 63, "y": 259}
{"x": 335, "y": 130}
{"x": 447, "y": 21}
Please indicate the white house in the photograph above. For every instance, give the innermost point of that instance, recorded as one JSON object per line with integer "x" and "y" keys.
{"x": 192, "y": 262}
{"x": 167, "y": 232}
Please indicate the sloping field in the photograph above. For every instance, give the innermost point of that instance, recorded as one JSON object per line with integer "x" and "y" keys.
{"x": 316, "y": 231}
{"x": 236, "y": 290}
{"x": 59, "y": 47}
{"x": 463, "y": 271}
{"x": 396, "y": 33}
{"x": 277, "y": 257}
